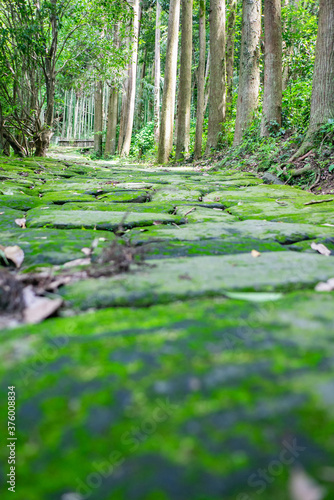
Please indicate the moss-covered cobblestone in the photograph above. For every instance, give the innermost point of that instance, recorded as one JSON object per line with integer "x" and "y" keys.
{"x": 186, "y": 377}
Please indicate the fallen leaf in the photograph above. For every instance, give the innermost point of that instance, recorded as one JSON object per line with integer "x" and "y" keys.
{"x": 304, "y": 487}
{"x": 14, "y": 253}
{"x": 320, "y": 248}
{"x": 253, "y": 296}
{"x": 77, "y": 262}
{"x": 86, "y": 251}
{"x": 327, "y": 286}
{"x": 38, "y": 308}
{"x": 255, "y": 253}
{"x": 21, "y": 223}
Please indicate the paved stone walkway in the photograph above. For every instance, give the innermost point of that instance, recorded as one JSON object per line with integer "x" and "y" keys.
{"x": 205, "y": 374}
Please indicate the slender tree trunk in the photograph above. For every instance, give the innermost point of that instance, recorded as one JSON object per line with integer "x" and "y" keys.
{"x": 207, "y": 82}
{"x": 42, "y": 140}
{"x": 98, "y": 118}
{"x": 110, "y": 146}
{"x": 168, "y": 96}
{"x": 272, "y": 96}
{"x": 322, "y": 102}
{"x": 157, "y": 74}
{"x": 140, "y": 104}
{"x": 184, "y": 96}
{"x": 217, "y": 97}
{"x": 200, "y": 81}
{"x": 230, "y": 55}
{"x": 249, "y": 73}
{"x": 124, "y": 107}
{"x": 125, "y": 149}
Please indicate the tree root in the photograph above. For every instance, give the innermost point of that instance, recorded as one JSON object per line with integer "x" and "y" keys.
{"x": 301, "y": 171}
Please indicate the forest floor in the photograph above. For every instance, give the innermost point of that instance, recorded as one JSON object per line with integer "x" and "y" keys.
{"x": 192, "y": 357}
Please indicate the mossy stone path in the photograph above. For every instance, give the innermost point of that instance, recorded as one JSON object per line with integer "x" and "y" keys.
{"x": 206, "y": 374}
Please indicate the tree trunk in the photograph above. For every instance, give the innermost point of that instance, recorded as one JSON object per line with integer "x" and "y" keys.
{"x": 157, "y": 74}
{"x": 217, "y": 96}
{"x": 249, "y": 73}
{"x": 168, "y": 96}
{"x": 207, "y": 82}
{"x": 272, "y": 95}
{"x": 140, "y": 118}
{"x": 322, "y": 102}
{"x": 98, "y": 119}
{"x": 230, "y": 55}
{"x": 200, "y": 81}
{"x": 131, "y": 89}
{"x": 110, "y": 146}
{"x": 184, "y": 97}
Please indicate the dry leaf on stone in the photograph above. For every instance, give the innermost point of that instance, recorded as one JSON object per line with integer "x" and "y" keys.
{"x": 38, "y": 308}
{"x": 255, "y": 253}
{"x": 320, "y": 248}
{"x": 304, "y": 487}
{"x": 86, "y": 251}
{"x": 77, "y": 262}
{"x": 21, "y": 223}
{"x": 13, "y": 253}
{"x": 327, "y": 286}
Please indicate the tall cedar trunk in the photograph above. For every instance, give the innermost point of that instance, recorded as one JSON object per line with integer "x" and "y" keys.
{"x": 200, "y": 81}
{"x": 230, "y": 55}
{"x": 110, "y": 147}
{"x": 131, "y": 90}
{"x": 217, "y": 96}
{"x": 322, "y": 102}
{"x": 157, "y": 74}
{"x": 184, "y": 96}
{"x": 249, "y": 73}
{"x": 98, "y": 118}
{"x": 168, "y": 96}
{"x": 272, "y": 95}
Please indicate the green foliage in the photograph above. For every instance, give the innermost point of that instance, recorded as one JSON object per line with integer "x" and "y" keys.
{"x": 143, "y": 141}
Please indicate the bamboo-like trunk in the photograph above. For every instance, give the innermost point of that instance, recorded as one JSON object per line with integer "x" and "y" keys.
{"x": 98, "y": 118}
{"x": 217, "y": 100}
{"x": 110, "y": 147}
{"x": 157, "y": 74}
{"x": 184, "y": 96}
{"x": 168, "y": 96}
{"x": 200, "y": 81}
{"x": 125, "y": 149}
{"x": 230, "y": 55}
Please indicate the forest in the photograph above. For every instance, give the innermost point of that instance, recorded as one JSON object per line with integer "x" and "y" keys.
{"x": 167, "y": 249}
{"x": 167, "y": 81}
